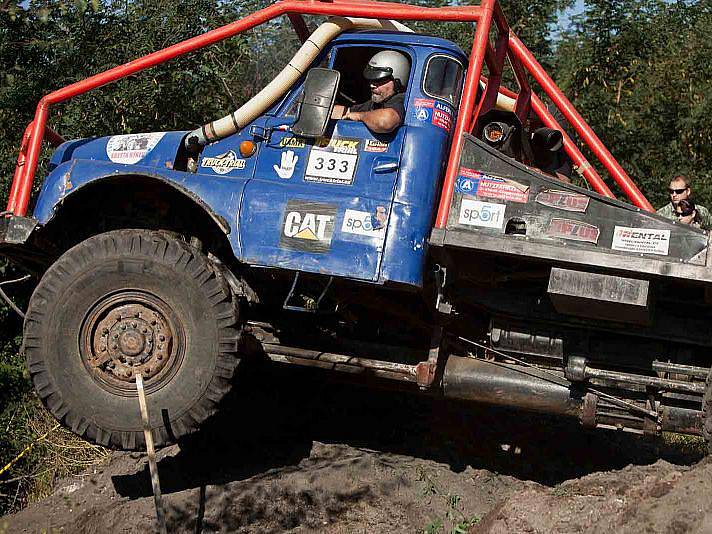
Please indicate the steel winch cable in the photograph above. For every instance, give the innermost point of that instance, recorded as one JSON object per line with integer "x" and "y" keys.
{"x": 557, "y": 379}
{"x": 8, "y": 300}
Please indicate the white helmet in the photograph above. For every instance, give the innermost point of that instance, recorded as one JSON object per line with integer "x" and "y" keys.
{"x": 388, "y": 63}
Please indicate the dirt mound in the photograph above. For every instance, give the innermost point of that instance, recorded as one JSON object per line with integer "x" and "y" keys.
{"x": 661, "y": 497}
{"x": 294, "y": 452}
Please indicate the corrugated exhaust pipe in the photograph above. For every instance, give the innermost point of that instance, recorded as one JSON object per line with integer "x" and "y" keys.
{"x": 274, "y": 90}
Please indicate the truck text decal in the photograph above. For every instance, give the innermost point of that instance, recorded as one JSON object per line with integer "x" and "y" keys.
{"x": 308, "y": 226}
{"x": 224, "y": 163}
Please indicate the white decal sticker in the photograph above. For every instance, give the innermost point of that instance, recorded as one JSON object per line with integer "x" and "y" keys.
{"x": 478, "y": 213}
{"x": 641, "y": 240}
{"x": 224, "y": 163}
{"x": 287, "y": 165}
{"x": 330, "y": 167}
{"x": 131, "y": 148}
{"x": 365, "y": 223}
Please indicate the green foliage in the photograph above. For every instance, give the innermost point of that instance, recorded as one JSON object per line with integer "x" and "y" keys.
{"x": 451, "y": 519}
{"x": 640, "y": 72}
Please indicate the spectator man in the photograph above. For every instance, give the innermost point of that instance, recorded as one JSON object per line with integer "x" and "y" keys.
{"x": 680, "y": 189}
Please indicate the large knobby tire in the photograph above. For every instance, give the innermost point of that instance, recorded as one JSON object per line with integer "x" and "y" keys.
{"x": 124, "y": 302}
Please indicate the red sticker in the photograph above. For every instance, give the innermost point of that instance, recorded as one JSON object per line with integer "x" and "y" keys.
{"x": 442, "y": 119}
{"x": 574, "y": 230}
{"x": 469, "y": 173}
{"x": 424, "y": 103}
{"x": 504, "y": 190}
{"x": 563, "y": 200}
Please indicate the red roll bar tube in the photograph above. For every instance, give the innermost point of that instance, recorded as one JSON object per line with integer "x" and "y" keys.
{"x": 583, "y": 129}
{"x": 520, "y": 57}
{"x": 22, "y": 184}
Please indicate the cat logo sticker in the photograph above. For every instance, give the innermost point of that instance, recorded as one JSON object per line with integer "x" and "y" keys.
{"x": 308, "y": 226}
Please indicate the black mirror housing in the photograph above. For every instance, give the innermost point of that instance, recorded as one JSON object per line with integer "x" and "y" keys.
{"x": 317, "y": 102}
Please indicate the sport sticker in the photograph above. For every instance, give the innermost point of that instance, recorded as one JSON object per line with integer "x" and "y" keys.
{"x": 478, "y": 213}
{"x": 573, "y": 230}
{"x": 308, "y": 226}
{"x": 224, "y": 163}
{"x": 333, "y": 161}
{"x": 374, "y": 145}
{"x": 472, "y": 182}
{"x": 365, "y": 223}
{"x": 641, "y": 240}
{"x": 563, "y": 200}
{"x": 131, "y": 148}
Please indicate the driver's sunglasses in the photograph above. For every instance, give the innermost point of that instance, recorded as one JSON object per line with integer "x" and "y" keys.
{"x": 677, "y": 191}
{"x": 684, "y": 213}
{"x": 380, "y": 82}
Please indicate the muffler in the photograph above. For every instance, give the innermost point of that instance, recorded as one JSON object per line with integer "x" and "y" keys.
{"x": 501, "y": 384}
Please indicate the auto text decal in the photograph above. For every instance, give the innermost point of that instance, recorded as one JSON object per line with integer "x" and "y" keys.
{"x": 475, "y": 183}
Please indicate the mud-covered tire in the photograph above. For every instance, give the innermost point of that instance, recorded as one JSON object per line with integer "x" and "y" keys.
{"x": 132, "y": 301}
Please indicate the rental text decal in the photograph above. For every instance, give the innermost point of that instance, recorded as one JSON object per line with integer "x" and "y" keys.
{"x": 641, "y": 240}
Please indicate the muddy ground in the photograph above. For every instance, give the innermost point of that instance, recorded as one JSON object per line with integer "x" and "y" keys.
{"x": 294, "y": 452}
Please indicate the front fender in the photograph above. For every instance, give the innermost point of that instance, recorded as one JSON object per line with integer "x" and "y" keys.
{"x": 219, "y": 197}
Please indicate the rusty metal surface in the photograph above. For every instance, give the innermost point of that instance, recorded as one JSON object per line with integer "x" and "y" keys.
{"x": 127, "y": 333}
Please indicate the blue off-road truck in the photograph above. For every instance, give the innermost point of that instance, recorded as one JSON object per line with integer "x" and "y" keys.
{"x": 439, "y": 256}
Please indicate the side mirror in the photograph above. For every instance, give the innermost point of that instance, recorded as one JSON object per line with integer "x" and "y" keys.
{"x": 317, "y": 102}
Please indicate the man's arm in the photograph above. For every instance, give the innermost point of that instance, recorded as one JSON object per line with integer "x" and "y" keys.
{"x": 383, "y": 120}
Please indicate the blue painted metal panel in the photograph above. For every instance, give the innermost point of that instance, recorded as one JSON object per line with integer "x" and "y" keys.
{"x": 372, "y": 225}
{"x": 321, "y": 206}
{"x": 222, "y": 196}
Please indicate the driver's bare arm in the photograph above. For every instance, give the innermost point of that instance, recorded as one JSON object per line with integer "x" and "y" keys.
{"x": 383, "y": 120}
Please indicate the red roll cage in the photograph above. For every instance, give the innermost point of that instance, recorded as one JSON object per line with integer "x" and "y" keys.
{"x": 487, "y": 15}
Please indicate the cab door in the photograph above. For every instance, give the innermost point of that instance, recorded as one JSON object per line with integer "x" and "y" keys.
{"x": 321, "y": 205}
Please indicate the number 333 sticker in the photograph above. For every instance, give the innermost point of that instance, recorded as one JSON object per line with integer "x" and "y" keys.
{"x": 334, "y": 163}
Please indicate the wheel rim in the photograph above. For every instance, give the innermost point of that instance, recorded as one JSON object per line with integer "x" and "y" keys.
{"x": 129, "y": 332}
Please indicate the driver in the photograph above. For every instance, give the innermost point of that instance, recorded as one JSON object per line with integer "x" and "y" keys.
{"x": 387, "y": 74}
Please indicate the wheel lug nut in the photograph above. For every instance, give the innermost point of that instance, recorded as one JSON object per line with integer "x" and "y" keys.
{"x": 162, "y": 338}
{"x": 116, "y": 336}
{"x": 123, "y": 327}
{"x": 134, "y": 324}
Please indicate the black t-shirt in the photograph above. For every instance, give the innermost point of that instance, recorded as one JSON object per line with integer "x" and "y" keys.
{"x": 396, "y": 102}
